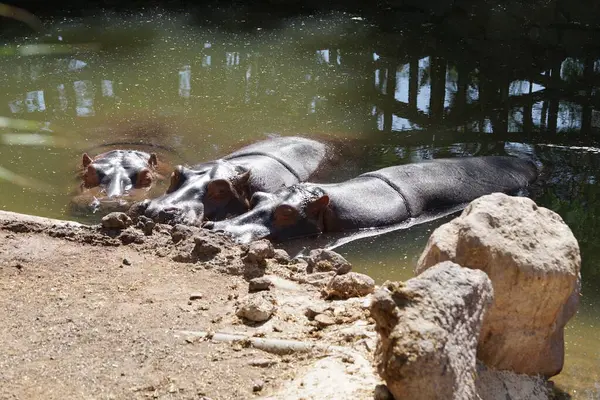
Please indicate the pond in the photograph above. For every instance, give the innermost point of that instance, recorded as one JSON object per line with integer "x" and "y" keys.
{"x": 398, "y": 96}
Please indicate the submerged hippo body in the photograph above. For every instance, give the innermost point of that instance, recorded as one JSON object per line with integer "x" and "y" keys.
{"x": 218, "y": 189}
{"x": 376, "y": 199}
{"x": 113, "y": 180}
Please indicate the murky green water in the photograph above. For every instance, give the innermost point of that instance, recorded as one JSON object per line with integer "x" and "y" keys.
{"x": 402, "y": 97}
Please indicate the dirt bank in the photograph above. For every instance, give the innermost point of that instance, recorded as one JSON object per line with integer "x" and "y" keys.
{"x": 110, "y": 314}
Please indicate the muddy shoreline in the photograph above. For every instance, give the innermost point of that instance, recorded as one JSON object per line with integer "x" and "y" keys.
{"x": 107, "y": 313}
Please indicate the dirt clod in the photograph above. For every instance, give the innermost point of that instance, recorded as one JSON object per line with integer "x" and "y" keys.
{"x": 258, "y": 385}
{"x": 116, "y": 220}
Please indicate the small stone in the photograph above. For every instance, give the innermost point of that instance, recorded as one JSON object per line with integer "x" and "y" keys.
{"x": 258, "y": 386}
{"x": 259, "y": 251}
{"x": 259, "y": 284}
{"x": 257, "y": 307}
{"x": 126, "y": 262}
{"x": 324, "y": 320}
{"x": 172, "y": 388}
{"x": 262, "y": 362}
{"x": 315, "y": 309}
{"x": 321, "y": 260}
{"x": 352, "y": 284}
{"x": 148, "y": 228}
{"x": 196, "y": 296}
{"x": 382, "y": 393}
{"x": 281, "y": 256}
{"x": 145, "y": 224}
{"x": 116, "y": 220}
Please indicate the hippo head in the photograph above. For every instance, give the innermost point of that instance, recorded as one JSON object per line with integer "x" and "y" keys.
{"x": 212, "y": 192}
{"x": 113, "y": 180}
{"x": 289, "y": 213}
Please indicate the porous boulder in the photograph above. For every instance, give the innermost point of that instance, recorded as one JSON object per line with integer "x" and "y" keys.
{"x": 533, "y": 261}
{"x": 428, "y": 329}
{"x": 257, "y": 307}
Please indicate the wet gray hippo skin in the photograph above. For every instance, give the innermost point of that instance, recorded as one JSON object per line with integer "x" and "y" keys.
{"x": 218, "y": 189}
{"x": 375, "y": 199}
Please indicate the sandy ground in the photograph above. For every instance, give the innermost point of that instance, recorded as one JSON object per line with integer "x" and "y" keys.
{"x": 91, "y": 313}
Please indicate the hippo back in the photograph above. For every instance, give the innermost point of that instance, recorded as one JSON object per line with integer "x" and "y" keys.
{"x": 440, "y": 183}
{"x": 301, "y": 156}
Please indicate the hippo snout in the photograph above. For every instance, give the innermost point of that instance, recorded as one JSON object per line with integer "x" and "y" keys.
{"x": 174, "y": 214}
{"x": 242, "y": 233}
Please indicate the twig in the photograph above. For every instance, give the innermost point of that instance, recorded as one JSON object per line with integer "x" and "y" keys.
{"x": 275, "y": 346}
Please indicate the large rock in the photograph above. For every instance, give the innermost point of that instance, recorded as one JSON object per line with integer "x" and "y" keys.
{"x": 428, "y": 330}
{"x": 533, "y": 260}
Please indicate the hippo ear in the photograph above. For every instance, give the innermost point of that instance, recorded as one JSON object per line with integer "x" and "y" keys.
{"x": 86, "y": 160}
{"x": 175, "y": 178}
{"x": 153, "y": 160}
{"x": 90, "y": 179}
{"x": 144, "y": 178}
{"x": 242, "y": 178}
{"x": 219, "y": 189}
{"x": 240, "y": 183}
{"x": 316, "y": 207}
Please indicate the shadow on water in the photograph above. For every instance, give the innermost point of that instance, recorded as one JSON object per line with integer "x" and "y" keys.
{"x": 395, "y": 84}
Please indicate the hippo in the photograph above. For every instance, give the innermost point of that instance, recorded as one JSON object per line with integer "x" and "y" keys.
{"x": 115, "y": 179}
{"x": 222, "y": 188}
{"x": 376, "y": 199}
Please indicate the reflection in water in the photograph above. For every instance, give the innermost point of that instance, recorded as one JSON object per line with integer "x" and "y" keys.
{"x": 395, "y": 97}
{"x": 84, "y": 98}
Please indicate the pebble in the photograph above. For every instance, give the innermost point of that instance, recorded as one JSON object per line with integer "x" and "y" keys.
{"x": 126, "y": 262}
{"x": 281, "y": 256}
{"x": 324, "y": 320}
{"x": 382, "y": 393}
{"x": 259, "y": 284}
{"x": 196, "y": 296}
{"x": 259, "y": 251}
{"x": 262, "y": 362}
{"x": 258, "y": 386}
{"x": 315, "y": 309}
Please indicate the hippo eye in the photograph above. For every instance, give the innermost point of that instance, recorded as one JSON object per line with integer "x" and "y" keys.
{"x": 285, "y": 215}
